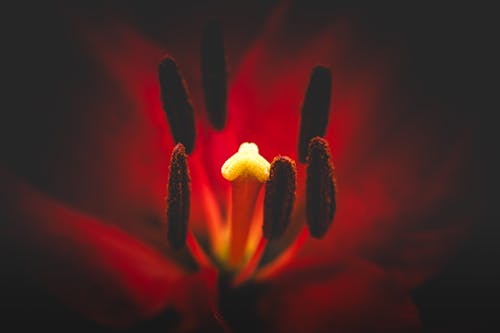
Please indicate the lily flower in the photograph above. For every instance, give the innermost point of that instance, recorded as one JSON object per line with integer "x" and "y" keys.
{"x": 232, "y": 216}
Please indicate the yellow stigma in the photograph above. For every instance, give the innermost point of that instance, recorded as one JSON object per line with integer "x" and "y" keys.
{"x": 246, "y": 162}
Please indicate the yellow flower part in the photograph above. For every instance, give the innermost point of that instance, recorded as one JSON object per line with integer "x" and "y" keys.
{"x": 247, "y": 162}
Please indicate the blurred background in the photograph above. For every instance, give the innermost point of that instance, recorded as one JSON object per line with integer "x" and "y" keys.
{"x": 444, "y": 53}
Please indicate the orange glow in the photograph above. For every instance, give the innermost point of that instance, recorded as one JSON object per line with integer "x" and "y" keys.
{"x": 250, "y": 267}
{"x": 197, "y": 251}
{"x": 213, "y": 219}
{"x": 274, "y": 267}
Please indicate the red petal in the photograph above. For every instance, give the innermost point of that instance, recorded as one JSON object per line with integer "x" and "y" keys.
{"x": 346, "y": 296}
{"x": 96, "y": 269}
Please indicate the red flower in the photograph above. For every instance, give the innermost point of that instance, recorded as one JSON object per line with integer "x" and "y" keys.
{"x": 94, "y": 234}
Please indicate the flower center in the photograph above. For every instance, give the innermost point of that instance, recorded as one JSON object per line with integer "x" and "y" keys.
{"x": 235, "y": 246}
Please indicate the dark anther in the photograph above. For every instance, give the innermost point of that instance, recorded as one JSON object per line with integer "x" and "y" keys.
{"x": 178, "y": 198}
{"x": 214, "y": 76}
{"x": 320, "y": 188}
{"x": 279, "y": 197}
{"x": 315, "y": 109}
{"x": 176, "y": 103}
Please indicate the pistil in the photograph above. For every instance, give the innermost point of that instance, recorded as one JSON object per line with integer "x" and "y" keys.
{"x": 247, "y": 171}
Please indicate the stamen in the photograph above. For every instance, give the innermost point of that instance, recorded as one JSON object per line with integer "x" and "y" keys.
{"x": 320, "y": 188}
{"x": 279, "y": 197}
{"x": 178, "y": 200}
{"x": 214, "y": 75}
{"x": 176, "y": 103}
{"x": 247, "y": 170}
{"x": 315, "y": 109}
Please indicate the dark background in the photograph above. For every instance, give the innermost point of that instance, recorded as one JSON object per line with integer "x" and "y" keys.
{"x": 448, "y": 50}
